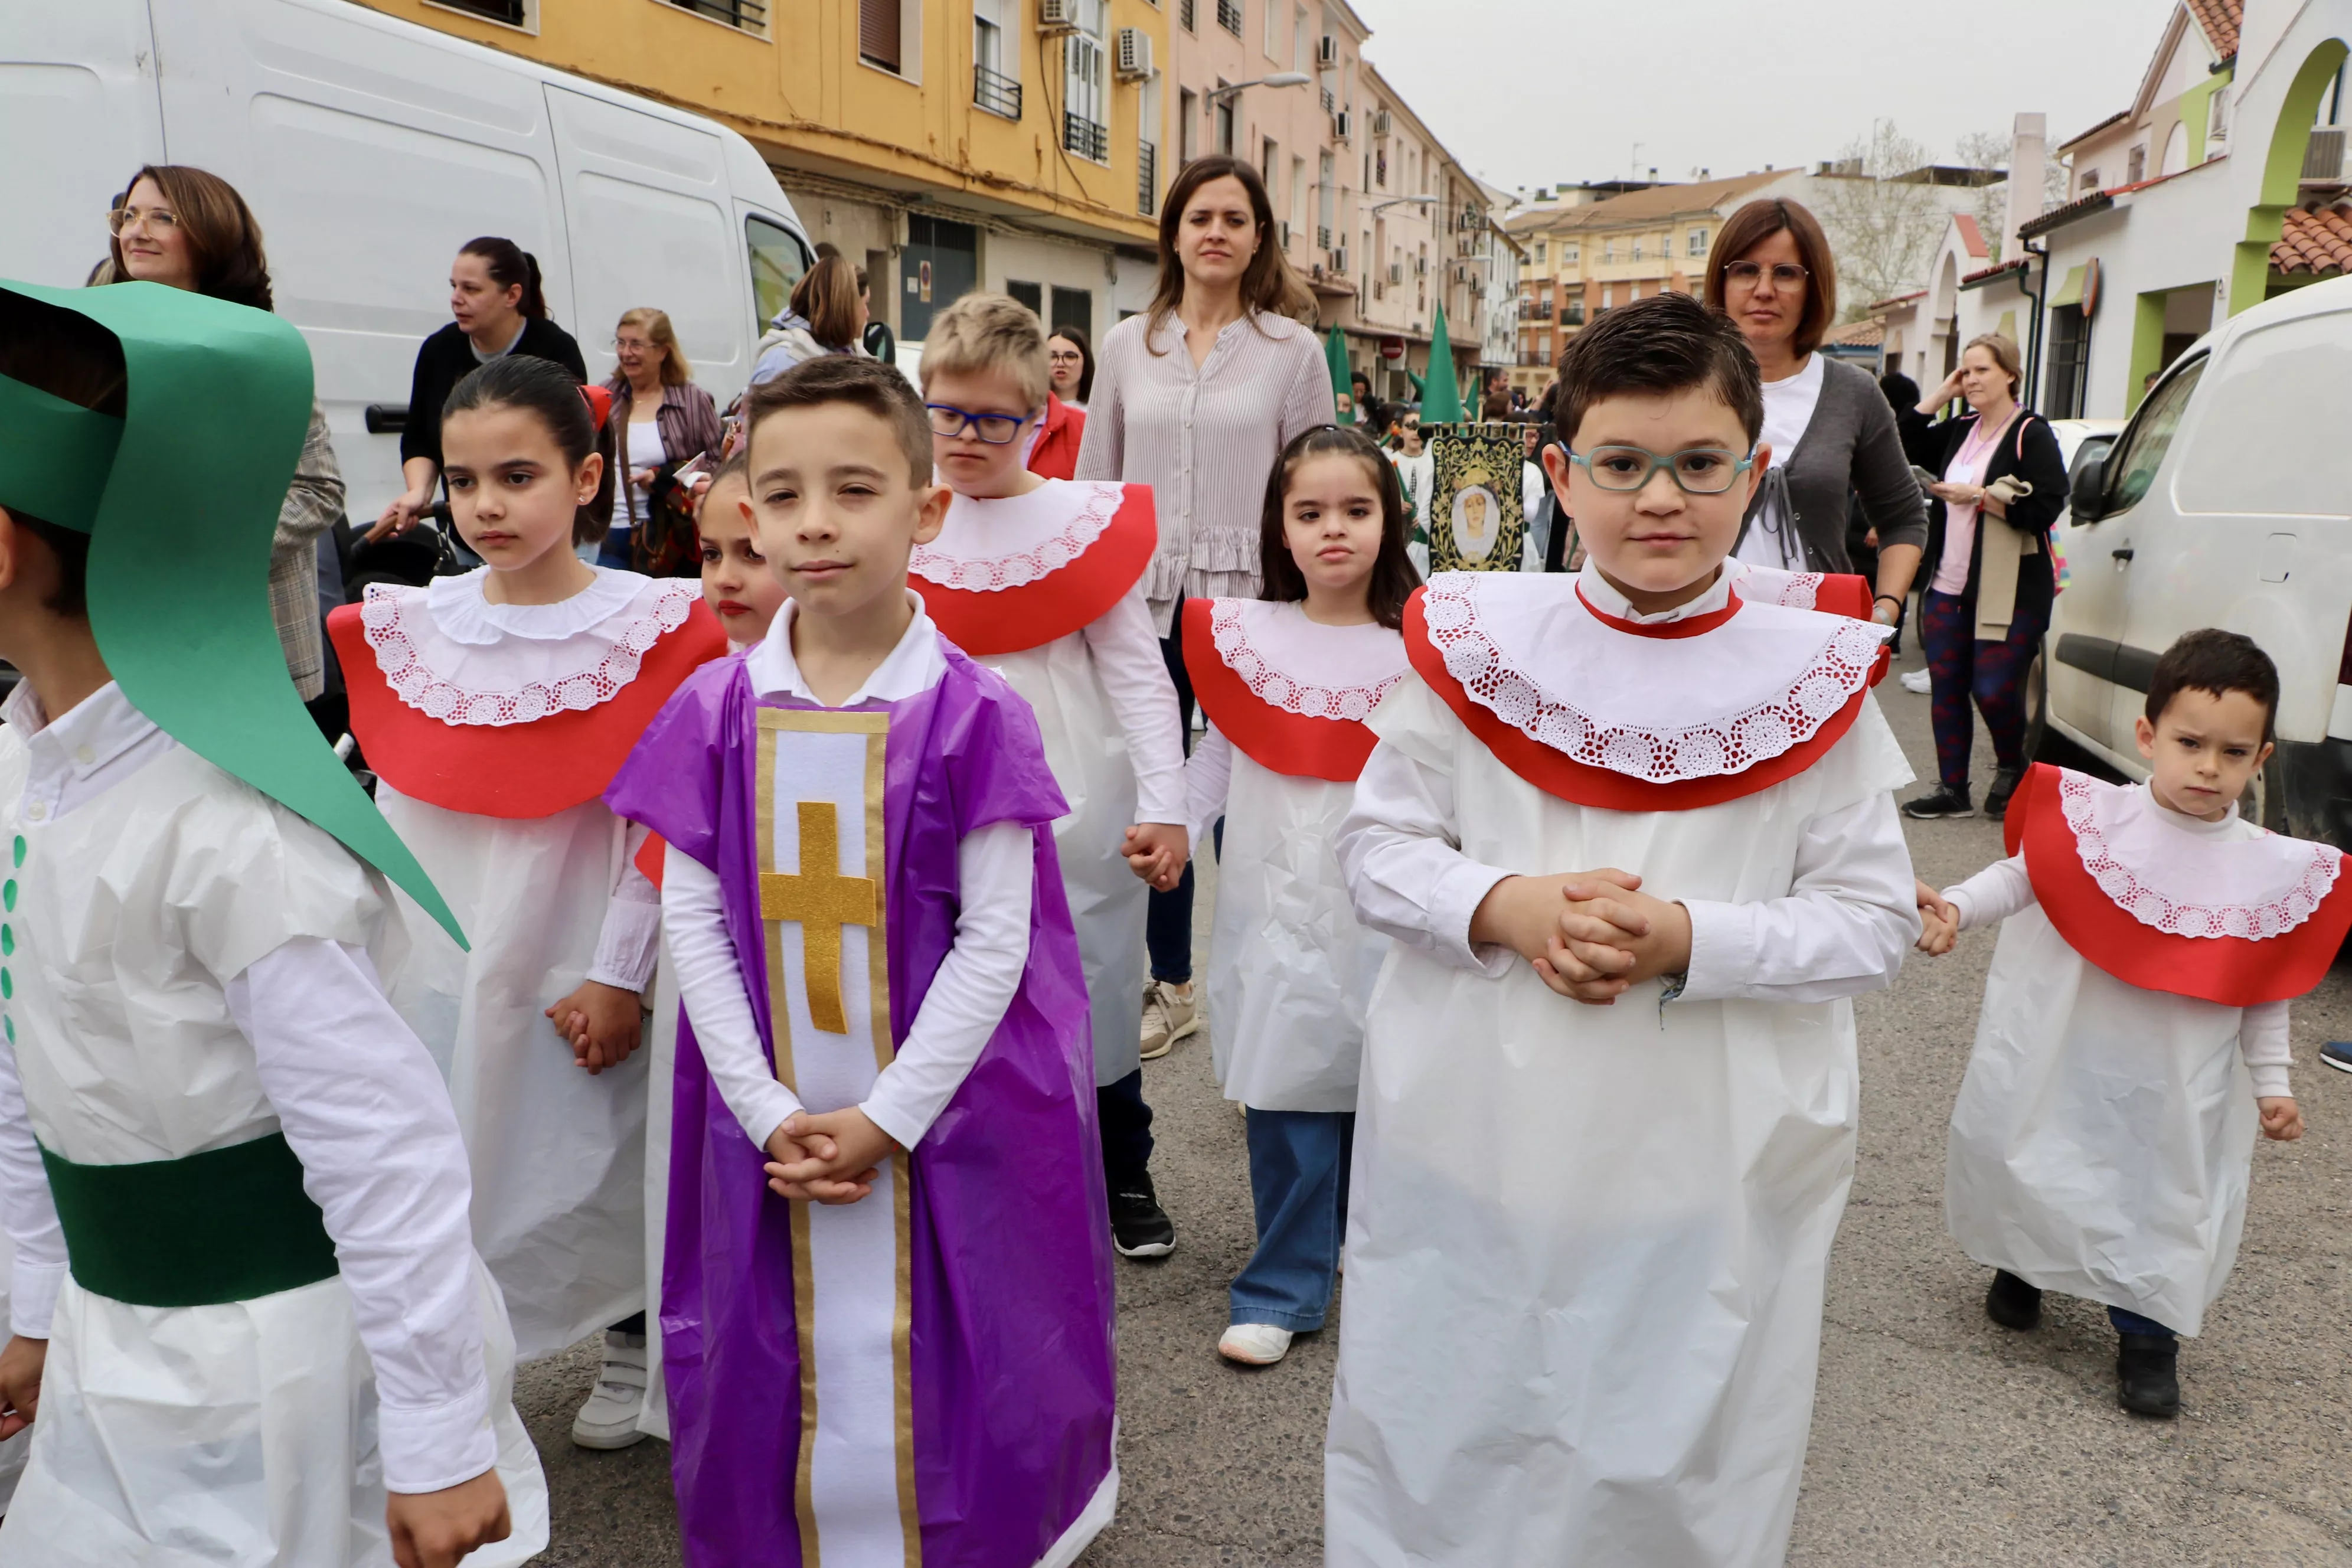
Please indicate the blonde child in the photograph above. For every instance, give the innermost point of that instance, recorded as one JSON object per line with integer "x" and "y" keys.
{"x": 2150, "y": 941}
{"x": 1042, "y": 581}
{"x": 1287, "y": 681}
{"x": 495, "y": 708}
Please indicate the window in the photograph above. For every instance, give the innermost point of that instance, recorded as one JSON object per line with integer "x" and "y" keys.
{"x": 879, "y": 33}
{"x": 1188, "y": 141}
{"x": 2135, "y": 165}
{"x": 1273, "y": 29}
{"x": 1184, "y": 18}
{"x": 1147, "y": 147}
{"x": 1222, "y": 111}
{"x": 2090, "y": 182}
{"x": 1229, "y": 17}
{"x": 1637, "y": 247}
{"x": 778, "y": 261}
{"x": 1607, "y": 250}
{"x": 1698, "y": 242}
{"x": 513, "y": 13}
{"x": 1085, "y": 107}
{"x": 995, "y": 86}
{"x": 1608, "y": 297}
{"x": 1327, "y": 182}
{"x": 2069, "y": 347}
{"x": 2131, "y": 468}
{"x": 1269, "y": 167}
{"x": 1539, "y": 250}
{"x": 1302, "y": 49}
{"x": 1299, "y": 195}
{"x": 1030, "y": 294}
{"x": 751, "y": 16}
{"x": 1568, "y": 253}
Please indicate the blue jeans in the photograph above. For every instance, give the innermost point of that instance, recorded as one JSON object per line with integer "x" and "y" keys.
{"x": 2133, "y": 1323}
{"x": 1299, "y": 1183}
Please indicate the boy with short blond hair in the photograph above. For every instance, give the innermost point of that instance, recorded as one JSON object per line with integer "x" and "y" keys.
{"x": 1042, "y": 581}
{"x": 885, "y": 1206}
{"x": 1637, "y": 843}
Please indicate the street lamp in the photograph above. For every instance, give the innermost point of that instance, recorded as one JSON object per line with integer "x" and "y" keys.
{"x": 1402, "y": 202}
{"x": 1279, "y": 79}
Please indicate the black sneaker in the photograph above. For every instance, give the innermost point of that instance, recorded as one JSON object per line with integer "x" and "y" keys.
{"x": 2012, "y": 1303}
{"x": 2147, "y": 1376}
{"x": 2338, "y": 1053}
{"x": 2004, "y": 785}
{"x": 1949, "y": 800}
{"x": 1139, "y": 1227}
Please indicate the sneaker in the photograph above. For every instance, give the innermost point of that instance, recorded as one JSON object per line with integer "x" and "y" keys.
{"x": 2338, "y": 1053}
{"x": 609, "y": 1419}
{"x": 1917, "y": 681}
{"x": 2012, "y": 1303}
{"x": 1171, "y": 1012}
{"x": 1254, "y": 1345}
{"x": 2004, "y": 785}
{"x": 1949, "y": 800}
{"x": 2147, "y": 1374}
{"x": 1139, "y": 1227}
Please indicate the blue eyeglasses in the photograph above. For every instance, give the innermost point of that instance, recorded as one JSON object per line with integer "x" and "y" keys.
{"x": 996, "y": 429}
{"x": 1698, "y": 470}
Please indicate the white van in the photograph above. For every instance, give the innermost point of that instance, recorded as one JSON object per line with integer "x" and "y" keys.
{"x": 2227, "y": 501}
{"x": 371, "y": 149}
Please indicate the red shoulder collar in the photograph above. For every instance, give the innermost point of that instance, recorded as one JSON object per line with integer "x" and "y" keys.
{"x": 1009, "y": 620}
{"x": 2233, "y": 971}
{"x": 1297, "y": 744}
{"x": 516, "y": 771}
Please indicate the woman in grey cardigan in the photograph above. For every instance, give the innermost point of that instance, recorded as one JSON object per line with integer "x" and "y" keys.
{"x": 1830, "y": 430}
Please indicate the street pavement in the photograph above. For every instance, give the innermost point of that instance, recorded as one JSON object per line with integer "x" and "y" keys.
{"x": 1938, "y": 1437}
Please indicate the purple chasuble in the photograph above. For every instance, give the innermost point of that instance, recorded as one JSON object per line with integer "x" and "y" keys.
{"x": 1012, "y": 1367}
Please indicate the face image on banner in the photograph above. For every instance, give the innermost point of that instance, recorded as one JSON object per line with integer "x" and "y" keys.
{"x": 1474, "y": 519}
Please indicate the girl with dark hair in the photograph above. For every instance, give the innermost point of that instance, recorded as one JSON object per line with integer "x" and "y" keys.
{"x": 1195, "y": 397}
{"x": 1072, "y": 356}
{"x": 186, "y": 229}
{"x": 1288, "y": 680}
{"x": 495, "y": 706}
{"x": 498, "y": 308}
{"x": 1830, "y": 431}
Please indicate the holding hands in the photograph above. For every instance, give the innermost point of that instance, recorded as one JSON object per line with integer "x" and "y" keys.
{"x": 1941, "y": 919}
{"x": 1157, "y": 851}
{"x": 1591, "y": 935}
{"x": 603, "y": 1023}
{"x": 834, "y": 1158}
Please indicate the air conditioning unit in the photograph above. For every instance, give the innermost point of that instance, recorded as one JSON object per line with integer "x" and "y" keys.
{"x": 1396, "y": 271}
{"x": 1343, "y": 125}
{"x": 1058, "y": 15}
{"x": 1327, "y": 53}
{"x": 1340, "y": 261}
{"x": 1381, "y": 122}
{"x": 1133, "y": 61}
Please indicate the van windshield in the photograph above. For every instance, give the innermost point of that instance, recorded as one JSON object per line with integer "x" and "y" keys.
{"x": 2131, "y": 469}
{"x": 778, "y": 261}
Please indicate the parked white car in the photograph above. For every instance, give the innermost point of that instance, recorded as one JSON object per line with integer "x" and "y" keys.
{"x": 2227, "y": 501}
{"x": 371, "y": 149}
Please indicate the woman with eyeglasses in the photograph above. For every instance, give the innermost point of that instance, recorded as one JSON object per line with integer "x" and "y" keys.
{"x": 664, "y": 419}
{"x": 1831, "y": 433}
{"x": 1055, "y": 443}
{"x": 1197, "y": 398}
{"x": 185, "y": 228}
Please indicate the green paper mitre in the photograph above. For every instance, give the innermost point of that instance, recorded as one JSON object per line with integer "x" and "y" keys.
{"x": 1335, "y": 354}
{"x": 180, "y": 498}
{"x": 1441, "y": 404}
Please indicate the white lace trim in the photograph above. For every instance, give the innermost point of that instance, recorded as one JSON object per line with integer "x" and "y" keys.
{"x": 1710, "y": 749}
{"x": 1771, "y": 585}
{"x": 619, "y": 646}
{"x": 1229, "y": 628}
{"x": 935, "y": 563}
{"x": 2273, "y": 913}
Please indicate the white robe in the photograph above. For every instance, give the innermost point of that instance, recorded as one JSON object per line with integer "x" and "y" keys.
{"x": 266, "y": 1430}
{"x": 1586, "y": 1245}
{"x": 2104, "y": 1134}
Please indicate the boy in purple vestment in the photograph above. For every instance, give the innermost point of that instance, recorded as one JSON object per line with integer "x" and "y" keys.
{"x": 886, "y": 1296}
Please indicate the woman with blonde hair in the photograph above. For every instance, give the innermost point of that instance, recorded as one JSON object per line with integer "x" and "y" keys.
{"x": 1197, "y": 398}
{"x": 664, "y": 419}
{"x": 826, "y": 315}
{"x": 1991, "y": 582}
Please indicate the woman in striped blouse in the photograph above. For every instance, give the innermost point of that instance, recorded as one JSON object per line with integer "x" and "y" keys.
{"x": 1196, "y": 398}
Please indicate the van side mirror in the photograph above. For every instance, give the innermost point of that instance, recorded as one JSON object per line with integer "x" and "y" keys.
{"x": 2086, "y": 496}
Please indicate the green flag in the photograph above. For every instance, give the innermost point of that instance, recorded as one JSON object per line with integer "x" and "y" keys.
{"x": 1441, "y": 404}
{"x": 1335, "y": 351}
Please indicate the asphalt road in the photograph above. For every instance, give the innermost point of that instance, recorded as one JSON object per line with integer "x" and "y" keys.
{"x": 1937, "y": 1438}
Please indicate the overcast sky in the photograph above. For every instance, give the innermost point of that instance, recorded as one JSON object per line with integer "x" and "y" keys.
{"x": 1537, "y": 92}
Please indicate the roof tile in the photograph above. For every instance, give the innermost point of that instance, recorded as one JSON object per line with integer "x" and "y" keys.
{"x": 2317, "y": 242}
{"x": 2219, "y": 18}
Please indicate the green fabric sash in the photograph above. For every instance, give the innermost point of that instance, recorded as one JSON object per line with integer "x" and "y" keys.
{"x": 227, "y": 1225}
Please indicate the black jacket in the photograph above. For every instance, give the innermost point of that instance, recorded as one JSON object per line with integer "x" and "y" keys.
{"x": 2029, "y": 449}
{"x": 445, "y": 359}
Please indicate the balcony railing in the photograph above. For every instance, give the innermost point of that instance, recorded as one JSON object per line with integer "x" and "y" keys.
{"x": 1087, "y": 139}
{"x": 1574, "y": 314}
{"x": 995, "y": 92}
{"x": 1229, "y": 17}
{"x": 1147, "y": 179}
{"x": 751, "y": 16}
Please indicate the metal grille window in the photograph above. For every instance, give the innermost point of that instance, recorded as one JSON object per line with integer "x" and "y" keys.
{"x": 514, "y": 13}
{"x": 996, "y": 93}
{"x": 878, "y": 42}
{"x": 1086, "y": 138}
{"x": 1184, "y": 18}
{"x": 1229, "y": 17}
{"x": 1147, "y": 179}
{"x": 1085, "y": 102}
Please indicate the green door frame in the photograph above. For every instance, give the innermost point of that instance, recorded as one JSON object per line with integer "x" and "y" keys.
{"x": 2250, "y": 270}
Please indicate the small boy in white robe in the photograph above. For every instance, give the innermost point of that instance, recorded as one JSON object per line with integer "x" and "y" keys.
{"x": 1636, "y": 841}
{"x": 248, "y": 1323}
{"x": 2135, "y": 1021}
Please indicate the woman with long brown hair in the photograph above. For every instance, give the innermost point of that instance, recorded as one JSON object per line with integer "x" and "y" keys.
{"x": 826, "y": 315}
{"x": 185, "y": 228}
{"x": 1197, "y": 398}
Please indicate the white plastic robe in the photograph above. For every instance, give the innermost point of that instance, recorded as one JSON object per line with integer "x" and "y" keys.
{"x": 252, "y": 1424}
{"x": 1086, "y": 745}
{"x": 661, "y": 1042}
{"x": 558, "y": 1152}
{"x": 1289, "y": 967}
{"x": 1586, "y": 1245}
{"x": 2104, "y": 1134}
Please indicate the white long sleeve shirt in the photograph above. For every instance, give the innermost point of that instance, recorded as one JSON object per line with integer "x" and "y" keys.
{"x": 361, "y": 1104}
{"x": 1135, "y": 676}
{"x": 995, "y": 868}
{"x": 2003, "y": 888}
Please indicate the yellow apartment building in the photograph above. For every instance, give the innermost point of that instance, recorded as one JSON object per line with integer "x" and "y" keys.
{"x": 942, "y": 145}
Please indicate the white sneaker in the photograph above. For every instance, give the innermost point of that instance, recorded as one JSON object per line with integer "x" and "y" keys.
{"x": 1916, "y": 681}
{"x": 609, "y": 1419}
{"x": 1254, "y": 1345}
{"x": 1171, "y": 1013}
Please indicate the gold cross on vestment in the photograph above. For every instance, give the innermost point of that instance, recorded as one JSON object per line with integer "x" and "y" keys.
{"x": 823, "y": 900}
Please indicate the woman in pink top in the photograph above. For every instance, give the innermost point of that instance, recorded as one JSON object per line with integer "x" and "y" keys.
{"x": 1989, "y": 580}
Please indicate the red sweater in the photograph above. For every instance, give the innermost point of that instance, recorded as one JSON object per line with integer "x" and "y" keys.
{"x": 1055, "y": 455}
